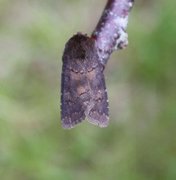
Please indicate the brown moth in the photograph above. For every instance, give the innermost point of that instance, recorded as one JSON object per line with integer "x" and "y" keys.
{"x": 83, "y": 90}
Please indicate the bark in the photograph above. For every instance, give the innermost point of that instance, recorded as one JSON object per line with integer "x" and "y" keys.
{"x": 110, "y": 32}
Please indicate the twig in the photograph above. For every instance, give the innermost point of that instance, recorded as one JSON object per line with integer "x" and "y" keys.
{"x": 110, "y": 32}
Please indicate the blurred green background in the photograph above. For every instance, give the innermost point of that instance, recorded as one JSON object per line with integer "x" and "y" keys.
{"x": 140, "y": 141}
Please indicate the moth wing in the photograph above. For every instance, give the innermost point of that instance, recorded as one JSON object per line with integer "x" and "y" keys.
{"x": 98, "y": 112}
{"x": 72, "y": 109}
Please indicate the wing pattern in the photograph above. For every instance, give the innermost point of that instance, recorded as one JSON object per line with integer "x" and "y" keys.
{"x": 83, "y": 90}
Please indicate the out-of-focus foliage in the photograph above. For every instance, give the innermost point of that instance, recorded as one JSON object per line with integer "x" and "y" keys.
{"x": 140, "y": 142}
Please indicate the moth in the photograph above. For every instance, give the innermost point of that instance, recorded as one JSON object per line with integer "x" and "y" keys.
{"x": 83, "y": 90}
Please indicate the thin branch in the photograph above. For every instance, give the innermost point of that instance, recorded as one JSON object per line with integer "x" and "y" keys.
{"x": 110, "y": 32}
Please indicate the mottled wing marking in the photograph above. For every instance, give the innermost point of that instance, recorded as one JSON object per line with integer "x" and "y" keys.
{"x": 98, "y": 113}
{"x": 83, "y": 85}
{"x": 72, "y": 110}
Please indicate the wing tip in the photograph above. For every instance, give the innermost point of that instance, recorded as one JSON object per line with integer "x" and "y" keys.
{"x": 102, "y": 122}
{"x": 68, "y": 123}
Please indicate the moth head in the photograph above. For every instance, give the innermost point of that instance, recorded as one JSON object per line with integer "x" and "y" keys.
{"x": 80, "y": 47}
